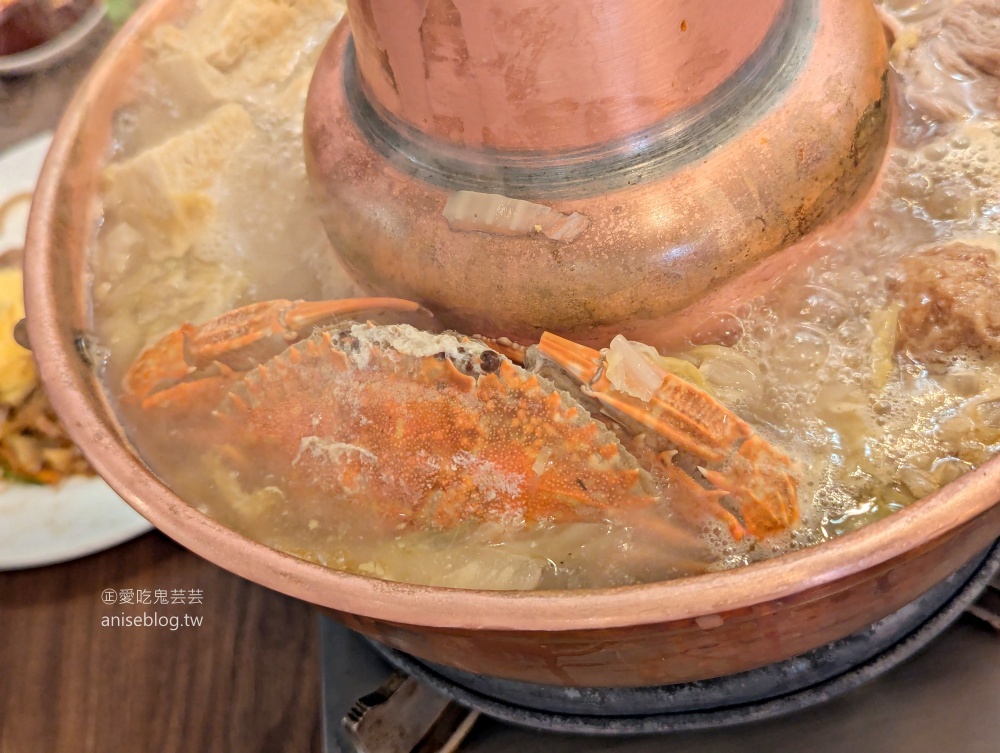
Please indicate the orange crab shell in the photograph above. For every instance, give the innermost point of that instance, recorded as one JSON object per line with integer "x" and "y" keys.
{"x": 732, "y": 457}
{"x": 423, "y": 443}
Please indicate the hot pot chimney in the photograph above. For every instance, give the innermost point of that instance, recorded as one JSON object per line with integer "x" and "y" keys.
{"x": 593, "y": 166}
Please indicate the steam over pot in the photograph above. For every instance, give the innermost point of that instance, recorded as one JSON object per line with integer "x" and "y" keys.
{"x": 681, "y": 630}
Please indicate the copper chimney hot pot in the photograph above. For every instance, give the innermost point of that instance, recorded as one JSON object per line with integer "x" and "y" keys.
{"x": 684, "y": 142}
{"x": 687, "y": 629}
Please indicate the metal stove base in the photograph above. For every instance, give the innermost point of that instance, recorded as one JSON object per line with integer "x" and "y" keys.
{"x": 771, "y": 691}
{"x": 947, "y": 697}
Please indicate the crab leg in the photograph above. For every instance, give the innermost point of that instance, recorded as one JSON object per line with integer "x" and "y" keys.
{"x": 235, "y": 341}
{"x": 736, "y": 459}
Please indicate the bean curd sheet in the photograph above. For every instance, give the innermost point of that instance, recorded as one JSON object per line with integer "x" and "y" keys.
{"x": 875, "y": 367}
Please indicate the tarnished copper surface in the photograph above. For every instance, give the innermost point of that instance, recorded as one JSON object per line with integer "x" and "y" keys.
{"x": 663, "y": 232}
{"x": 652, "y": 634}
{"x": 713, "y": 644}
{"x": 548, "y": 74}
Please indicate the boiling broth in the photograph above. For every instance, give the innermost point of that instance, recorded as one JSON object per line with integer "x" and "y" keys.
{"x": 206, "y": 207}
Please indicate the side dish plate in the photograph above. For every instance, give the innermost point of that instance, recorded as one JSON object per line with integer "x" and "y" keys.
{"x": 42, "y": 525}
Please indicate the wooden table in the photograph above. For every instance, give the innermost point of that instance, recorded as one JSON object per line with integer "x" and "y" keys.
{"x": 246, "y": 679}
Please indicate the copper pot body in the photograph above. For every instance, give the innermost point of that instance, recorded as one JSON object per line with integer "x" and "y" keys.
{"x": 687, "y": 629}
{"x": 683, "y": 195}
{"x": 546, "y": 74}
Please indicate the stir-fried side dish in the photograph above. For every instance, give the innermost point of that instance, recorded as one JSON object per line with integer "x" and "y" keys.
{"x": 34, "y": 447}
{"x": 867, "y": 379}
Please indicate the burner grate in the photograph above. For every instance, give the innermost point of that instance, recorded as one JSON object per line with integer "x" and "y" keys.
{"x": 763, "y": 693}
{"x": 799, "y": 683}
{"x": 987, "y": 608}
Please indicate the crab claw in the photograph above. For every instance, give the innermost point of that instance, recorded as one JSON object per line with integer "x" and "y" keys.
{"x": 758, "y": 478}
{"x": 733, "y": 458}
{"x": 233, "y": 342}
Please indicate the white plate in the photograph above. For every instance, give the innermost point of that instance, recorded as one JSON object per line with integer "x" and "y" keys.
{"x": 41, "y": 525}
{"x": 20, "y": 167}
{"x": 56, "y": 48}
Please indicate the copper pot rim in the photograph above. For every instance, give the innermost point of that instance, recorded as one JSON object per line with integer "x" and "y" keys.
{"x": 89, "y": 424}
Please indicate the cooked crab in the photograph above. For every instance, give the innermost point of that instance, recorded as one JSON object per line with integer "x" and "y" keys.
{"x": 733, "y": 461}
{"x": 434, "y": 430}
{"x": 194, "y": 364}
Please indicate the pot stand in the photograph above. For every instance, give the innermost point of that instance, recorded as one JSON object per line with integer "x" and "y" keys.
{"x": 351, "y": 662}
